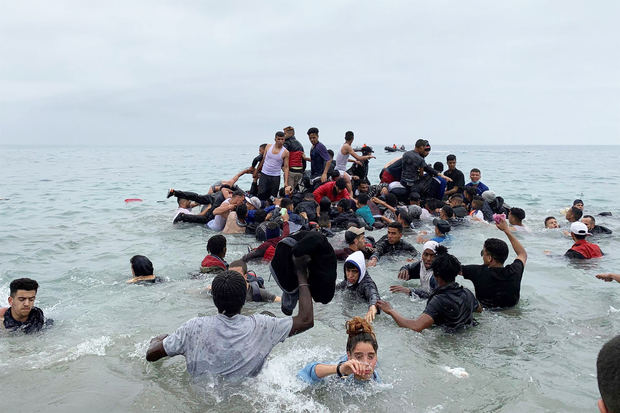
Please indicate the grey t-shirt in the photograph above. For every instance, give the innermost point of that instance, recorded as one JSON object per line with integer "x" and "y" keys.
{"x": 227, "y": 346}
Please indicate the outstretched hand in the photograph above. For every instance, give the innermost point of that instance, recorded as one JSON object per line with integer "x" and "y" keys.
{"x": 399, "y": 289}
{"x": 385, "y": 307}
{"x": 608, "y": 277}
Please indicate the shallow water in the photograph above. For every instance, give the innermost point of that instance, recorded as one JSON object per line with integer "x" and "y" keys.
{"x": 66, "y": 225}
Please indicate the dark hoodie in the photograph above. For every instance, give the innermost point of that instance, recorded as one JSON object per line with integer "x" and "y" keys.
{"x": 365, "y": 286}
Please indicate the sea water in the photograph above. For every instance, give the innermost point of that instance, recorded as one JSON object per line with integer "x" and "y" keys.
{"x": 64, "y": 222}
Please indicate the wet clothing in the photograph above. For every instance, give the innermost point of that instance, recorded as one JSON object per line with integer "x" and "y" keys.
{"x": 365, "y": 287}
{"x": 383, "y": 247}
{"x": 599, "y": 229}
{"x": 259, "y": 252}
{"x": 309, "y": 207}
{"x": 412, "y": 163}
{"x": 344, "y": 253}
{"x": 268, "y": 186}
{"x": 257, "y": 160}
{"x": 366, "y": 214}
{"x": 460, "y": 211}
{"x": 498, "y": 206}
{"x": 452, "y": 307}
{"x": 327, "y": 190}
{"x": 342, "y": 220}
{"x": 480, "y": 187}
{"x": 35, "y": 321}
{"x": 296, "y": 161}
{"x": 318, "y": 158}
{"x": 234, "y": 346}
{"x": 496, "y": 287}
{"x": 417, "y": 270}
{"x": 308, "y": 373}
{"x": 258, "y": 294}
{"x": 458, "y": 180}
{"x": 583, "y": 249}
{"x": 212, "y": 263}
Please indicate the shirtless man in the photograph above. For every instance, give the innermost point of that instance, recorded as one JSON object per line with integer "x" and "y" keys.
{"x": 342, "y": 157}
{"x": 274, "y": 160}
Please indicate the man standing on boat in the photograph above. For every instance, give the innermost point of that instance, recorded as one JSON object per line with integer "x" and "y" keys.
{"x": 276, "y": 158}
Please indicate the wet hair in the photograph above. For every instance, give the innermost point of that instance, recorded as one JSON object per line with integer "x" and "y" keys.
{"x": 471, "y": 191}
{"x": 313, "y": 130}
{"x": 517, "y": 213}
{"x": 26, "y": 284}
{"x": 348, "y": 136}
{"x": 344, "y": 204}
{"x": 474, "y": 170}
{"x": 229, "y": 289}
{"x": 447, "y": 209}
{"x": 577, "y": 213}
{"x": 259, "y": 216}
{"x": 360, "y": 331}
{"x": 608, "y": 374}
{"x": 363, "y": 199}
{"x": 141, "y": 265}
{"x": 420, "y": 143}
{"x": 216, "y": 244}
{"x": 441, "y": 249}
{"x": 450, "y": 158}
{"x": 397, "y": 225}
{"x": 438, "y": 166}
{"x": 242, "y": 211}
{"x": 340, "y": 184}
{"x": 446, "y": 267}
{"x": 263, "y": 146}
{"x": 391, "y": 200}
{"x": 497, "y": 249}
{"x": 547, "y": 220}
{"x": 239, "y": 263}
{"x": 590, "y": 217}
{"x": 577, "y": 201}
{"x": 285, "y": 202}
{"x": 279, "y": 134}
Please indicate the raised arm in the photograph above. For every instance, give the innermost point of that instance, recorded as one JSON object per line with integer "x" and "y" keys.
{"x": 516, "y": 245}
{"x": 304, "y": 319}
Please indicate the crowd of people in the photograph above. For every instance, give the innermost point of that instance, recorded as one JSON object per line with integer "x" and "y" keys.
{"x": 294, "y": 206}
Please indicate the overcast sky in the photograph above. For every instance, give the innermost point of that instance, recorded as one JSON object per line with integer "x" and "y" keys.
{"x": 203, "y": 72}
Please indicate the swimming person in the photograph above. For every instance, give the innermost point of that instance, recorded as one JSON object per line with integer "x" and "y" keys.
{"x": 357, "y": 365}
{"x": 391, "y": 244}
{"x": 551, "y": 223}
{"x": 582, "y": 249}
{"x": 357, "y": 280}
{"x": 450, "y": 305}
{"x": 229, "y": 344}
{"x": 142, "y": 271}
{"x": 22, "y": 315}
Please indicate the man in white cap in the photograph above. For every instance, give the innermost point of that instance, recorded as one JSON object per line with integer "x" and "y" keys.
{"x": 582, "y": 249}
{"x": 356, "y": 241}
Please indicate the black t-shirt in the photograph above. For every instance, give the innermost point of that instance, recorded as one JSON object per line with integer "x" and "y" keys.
{"x": 496, "y": 287}
{"x": 458, "y": 179}
{"x": 452, "y": 307}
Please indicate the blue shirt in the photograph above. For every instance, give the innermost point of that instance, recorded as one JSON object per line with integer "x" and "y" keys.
{"x": 308, "y": 373}
{"x": 318, "y": 157}
{"x": 480, "y": 187}
{"x": 366, "y": 213}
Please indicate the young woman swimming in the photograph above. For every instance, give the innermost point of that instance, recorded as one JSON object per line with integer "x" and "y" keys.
{"x": 357, "y": 365}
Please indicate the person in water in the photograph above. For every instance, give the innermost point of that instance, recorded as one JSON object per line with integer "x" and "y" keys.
{"x": 608, "y": 376}
{"x": 358, "y": 365}
{"x": 21, "y": 314}
{"x": 450, "y": 305}
{"x": 216, "y": 252}
{"x": 515, "y": 218}
{"x": 229, "y": 344}
{"x": 594, "y": 229}
{"x": 474, "y": 176}
{"x": 391, "y": 244}
{"x": 551, "y": 223}
{"x": 421, "y": 270}
{"x": 142, "y": 271}
{"x": 582, "y": 249}
{"x": 357, "y": 280}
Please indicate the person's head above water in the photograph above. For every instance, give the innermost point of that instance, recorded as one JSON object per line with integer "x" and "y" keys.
{"x": 362, "y": 345}
{"x": 23, "y": 293}
{"x": 216, "y": 245}
{"x": 578, "y": 203}
{"x": 229, "y": 290}
{"x": 551, "y": 223}
{"x": 574, "y": 214}
{"x": 608, "y": 376}
{"x": 494, "y": 252}
{"x": 394, "y": 232}
{"x": 445, "y": 268}
{"x": 141, "y": 266}
{"x": 590, "y": 221}
{"x": 429, "y": 251}
{"x": 516, "y": 216}
{"x": 578, "y": 231}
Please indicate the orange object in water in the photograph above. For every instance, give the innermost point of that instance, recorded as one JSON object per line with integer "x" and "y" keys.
{"x": 133, "y": 200}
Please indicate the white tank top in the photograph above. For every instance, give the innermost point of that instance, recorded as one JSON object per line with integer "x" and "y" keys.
{"x": 341, "y": 161}
{"x": 273, "y": 162}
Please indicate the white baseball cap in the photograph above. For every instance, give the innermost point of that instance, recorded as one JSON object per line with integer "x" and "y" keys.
{"x": 579, "y": 228}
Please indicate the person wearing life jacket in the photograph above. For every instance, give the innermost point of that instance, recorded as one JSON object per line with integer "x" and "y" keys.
{"x": 214, "y": 261}
{"x": 256, "y": 285}
{"x": 296, "y": 161}
{"x": 582, "y": 249}
{"x": 22, "y": 315}
{"x": 357, "y": 280}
